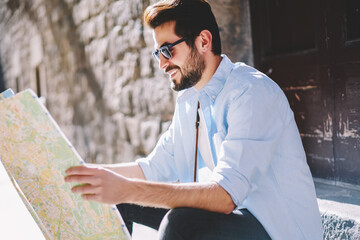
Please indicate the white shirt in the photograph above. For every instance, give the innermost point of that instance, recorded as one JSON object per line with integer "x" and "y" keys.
{"x": 256, "y": 147}
{"x": 205, "y": 151}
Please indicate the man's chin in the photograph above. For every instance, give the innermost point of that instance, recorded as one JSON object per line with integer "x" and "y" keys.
{"x": 182, "y": 84}
{"x": 174, "y": 85}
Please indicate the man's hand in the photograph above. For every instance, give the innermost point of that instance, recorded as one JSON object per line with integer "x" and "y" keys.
{"x": 98, "y": 184}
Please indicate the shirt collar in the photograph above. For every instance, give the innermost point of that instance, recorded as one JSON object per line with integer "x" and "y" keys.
{"x": 214, "y": 86}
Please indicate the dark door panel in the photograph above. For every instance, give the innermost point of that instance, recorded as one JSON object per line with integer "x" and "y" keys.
{"x": 312, "y": 50}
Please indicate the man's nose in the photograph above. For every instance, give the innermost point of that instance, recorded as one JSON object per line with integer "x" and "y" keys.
{"x": 163, "y": 62}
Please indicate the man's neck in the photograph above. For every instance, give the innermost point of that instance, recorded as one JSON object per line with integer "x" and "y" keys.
{"x": 211, "y": 63}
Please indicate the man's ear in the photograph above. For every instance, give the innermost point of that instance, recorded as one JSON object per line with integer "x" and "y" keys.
{"x": 204, "y": 41}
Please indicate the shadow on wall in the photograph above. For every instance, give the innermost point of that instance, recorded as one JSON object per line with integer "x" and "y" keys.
{"x": 2, "y": 80}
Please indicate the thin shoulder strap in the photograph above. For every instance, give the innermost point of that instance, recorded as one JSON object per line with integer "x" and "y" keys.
{"x": 197, "y": 123}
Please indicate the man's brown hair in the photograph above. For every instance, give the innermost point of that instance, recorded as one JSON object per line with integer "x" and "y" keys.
{"x": 191, "y": 17}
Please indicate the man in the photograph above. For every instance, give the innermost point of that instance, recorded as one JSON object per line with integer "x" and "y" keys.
{"x": 259, "y": 186}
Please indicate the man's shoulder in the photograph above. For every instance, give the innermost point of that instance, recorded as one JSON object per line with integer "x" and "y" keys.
{"x": 243, "y": 74}
{"x": 244, "y": 77}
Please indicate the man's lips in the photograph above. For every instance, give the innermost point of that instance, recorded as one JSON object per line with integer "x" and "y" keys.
{"x": 172, "y": 72}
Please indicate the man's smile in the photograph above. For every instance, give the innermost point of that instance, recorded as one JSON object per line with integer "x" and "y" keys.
{"x": 172, "y": 73}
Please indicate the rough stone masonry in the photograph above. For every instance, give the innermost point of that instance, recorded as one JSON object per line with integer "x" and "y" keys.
{"x": 91, "y": 62}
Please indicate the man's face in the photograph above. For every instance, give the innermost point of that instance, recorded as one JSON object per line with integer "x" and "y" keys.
{"x": 186, "y": 66}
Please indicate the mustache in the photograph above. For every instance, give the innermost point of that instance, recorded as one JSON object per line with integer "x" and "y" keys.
{"x": 171, "y": 68}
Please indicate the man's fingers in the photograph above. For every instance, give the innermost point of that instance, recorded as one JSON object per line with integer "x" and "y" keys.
{"x": 86, "y": 179}
{"x": 86, "y": 189}
{"x": 81, "y": 170}
{"x": 91, "y": 197}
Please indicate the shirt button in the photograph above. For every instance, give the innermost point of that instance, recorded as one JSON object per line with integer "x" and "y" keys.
{"x": 214, "y": 97}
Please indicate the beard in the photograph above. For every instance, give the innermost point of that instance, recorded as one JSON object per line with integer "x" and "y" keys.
{"x": 191, "y": 72}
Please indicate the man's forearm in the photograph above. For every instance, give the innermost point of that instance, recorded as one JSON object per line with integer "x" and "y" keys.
{"x": 207, "y": 196}
{"x": 129, "y": 170}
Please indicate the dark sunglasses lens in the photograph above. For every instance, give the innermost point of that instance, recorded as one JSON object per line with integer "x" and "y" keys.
{"x": 166, "y": 52}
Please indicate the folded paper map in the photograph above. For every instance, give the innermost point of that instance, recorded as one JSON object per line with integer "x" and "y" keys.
{"x": 36, "y": 154}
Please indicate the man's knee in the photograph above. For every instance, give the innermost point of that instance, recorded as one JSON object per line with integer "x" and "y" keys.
{"x": 124, "y": 210}
{"x": 176, "y": 224}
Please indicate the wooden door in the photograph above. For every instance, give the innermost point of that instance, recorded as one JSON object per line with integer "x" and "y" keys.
{"x": 312, "y": 50}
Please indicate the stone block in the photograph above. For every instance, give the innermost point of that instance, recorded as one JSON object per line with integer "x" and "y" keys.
{"x": 80, "y": 12}
{"x": 146, "y": 63}
{"x": 109, "y": 21}
{"x": 36, "y": 3}
{"x": 126, "y": 101}
{"x": 126, "y": 153}
{"x": 114, "y": 98}
{"x": 70, "y": 3}
{"x": 154, "y": 96}
{"x": 119, "y": 120}
{"x": 87, "y": 31}
{"x": 136, "y": 8}
{"x": 41, "y": 11}
{"x": 149, "y": 134}
{"x": 101, "y": 47}
{"x": 15, "y": 64}
{"x": 129, "y": 65}
{"x": 148, "y": 37}
{"x": 112, "y": 48}
{"x": 96, "y": 51}
{"x": 120, "y": 12}
{"x": 108, "y": 74}
{"x": 139, "y": 101}
{"x": 120, "y": 48}
{"x": 79, "y": 140}
{"x": 113, "y": 44}
{"x": 133, "y": 34}
{"x": 100, "y": 27}
{"x": 56, "y": 14}
{"x": 133, "y": 129}
{"x": 100, "y": 6}
{"x": 91, "y": 5}
{"x": 36, "y": 51}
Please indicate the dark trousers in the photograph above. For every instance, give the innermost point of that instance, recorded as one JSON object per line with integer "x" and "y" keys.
{"x": 191, "y": 223}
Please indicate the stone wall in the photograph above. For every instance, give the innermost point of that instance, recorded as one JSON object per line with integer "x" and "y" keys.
{"x": 91, "y": 62}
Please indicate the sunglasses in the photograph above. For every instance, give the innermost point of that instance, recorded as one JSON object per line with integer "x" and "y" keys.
{"x": 166, "y": 50}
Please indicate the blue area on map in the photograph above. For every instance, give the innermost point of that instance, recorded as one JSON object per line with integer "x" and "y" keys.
{"x": 8, "y": 93}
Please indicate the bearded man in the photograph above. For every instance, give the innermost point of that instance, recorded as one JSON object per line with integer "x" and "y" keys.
{"x": 231, "y": 165}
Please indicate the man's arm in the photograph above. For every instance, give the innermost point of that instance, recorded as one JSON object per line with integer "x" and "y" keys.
{"x": 208, "y": 196}
{"x": 129, "y": 170}
{"x": 104, "y": 185}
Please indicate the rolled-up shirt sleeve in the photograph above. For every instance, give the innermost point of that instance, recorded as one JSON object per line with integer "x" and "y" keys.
{"x": 246, "y": 148}
{"x": 159, "y": 165}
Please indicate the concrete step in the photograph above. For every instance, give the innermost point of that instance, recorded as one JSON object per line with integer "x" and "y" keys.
{"x": 340, "y": 210}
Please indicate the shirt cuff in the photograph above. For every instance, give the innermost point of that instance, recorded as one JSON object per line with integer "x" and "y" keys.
{"x": 235, "y": 190}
